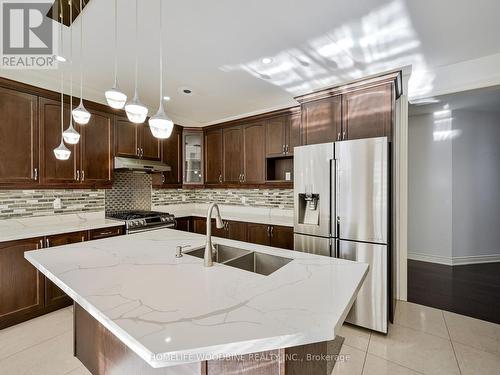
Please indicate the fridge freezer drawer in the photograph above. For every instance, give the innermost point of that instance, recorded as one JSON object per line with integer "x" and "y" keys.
{"x": 312, "y": 244}
{"x": 370, "y": 308}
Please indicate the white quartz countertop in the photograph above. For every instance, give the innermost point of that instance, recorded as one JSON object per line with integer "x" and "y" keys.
{"x": 260, "y": 215}
{"x": 172, "y": 310}
{"x": 17, "y": 229}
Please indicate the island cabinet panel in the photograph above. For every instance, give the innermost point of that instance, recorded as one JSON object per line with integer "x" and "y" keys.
{"x": 232, "y": 139}
{"x": 126, "y": 138}
{"x": 322, "y": 120}
{"x": 150, "y": 145}
{"x": 54, "y": 296}
{"x": 21, "y": 285}
{"x": 18, "y": 138}
{"x": 258, "y": 234}
{"x": 368, "y": 112}
{"x": 97, "y": 150}
{"x": 213, "y": 157}
{"x": 282, "y": 237}
{"x": 53, "y": 171}
{"x": 254, "y": 153}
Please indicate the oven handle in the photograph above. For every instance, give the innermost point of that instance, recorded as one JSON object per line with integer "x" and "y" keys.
{"x": 132, "y": 231}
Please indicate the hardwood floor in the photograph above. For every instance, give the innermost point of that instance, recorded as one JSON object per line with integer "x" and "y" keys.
{"x": 472, "y": 290}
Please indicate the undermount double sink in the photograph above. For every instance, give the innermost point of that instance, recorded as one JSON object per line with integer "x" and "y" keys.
{"x": 261, "y": 263}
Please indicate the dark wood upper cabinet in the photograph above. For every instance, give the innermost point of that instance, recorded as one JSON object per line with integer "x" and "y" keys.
{"x": 53, "y": 295}
{"x": 126, "y": 138}
{"x": 233, "y": 155}
{"x": 96, "y": 149}
{"x": 213, "y": 157}
{"x": 258, "y": 234}
{"x": 293, "y": 134}
{"x": 368, "y": 112}
{"x": 21, "y": 285}
{"x": 281, "y": 237}
{"x": 276, "y": 136}
{"x": 322, "y": 120}
{"x": 18, "y": 138}
{"x": 254, "y": 153}
{"x": 172, "y": 156}
{"x": 53, "y": 171}
{"x": 150, "y": 146}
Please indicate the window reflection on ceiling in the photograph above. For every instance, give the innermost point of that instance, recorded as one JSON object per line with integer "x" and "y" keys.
{"x": 382, "y": 40}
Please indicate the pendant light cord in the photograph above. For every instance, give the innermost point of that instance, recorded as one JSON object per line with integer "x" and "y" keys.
{"x": 116, "y": 44}
{"x": 81, "y": 52}
{"x": 161, "y": 57}
{"x": 136, "y": 44}
{"x": 70, "y": 55}
{"x": 62, "y": 70}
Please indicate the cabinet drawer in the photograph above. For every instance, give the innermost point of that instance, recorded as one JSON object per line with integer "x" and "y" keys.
{"x": 96, "y": 234}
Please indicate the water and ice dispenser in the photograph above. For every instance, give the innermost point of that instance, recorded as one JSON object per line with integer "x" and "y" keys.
{"x": 308, "y": 209}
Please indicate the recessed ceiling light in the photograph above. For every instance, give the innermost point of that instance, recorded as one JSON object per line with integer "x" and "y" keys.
{"x": 166, "y": 98}
{"x": 267, "y": 60}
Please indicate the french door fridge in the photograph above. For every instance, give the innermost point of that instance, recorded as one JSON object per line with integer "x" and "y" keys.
{"x": 356, "y": 177}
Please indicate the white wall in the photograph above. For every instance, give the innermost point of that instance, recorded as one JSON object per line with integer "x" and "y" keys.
{"x": 454, "y": 188}
{"x": 429, "y": 190}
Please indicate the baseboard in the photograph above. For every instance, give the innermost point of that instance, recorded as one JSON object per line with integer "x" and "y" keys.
{"x": 454, "y": 261}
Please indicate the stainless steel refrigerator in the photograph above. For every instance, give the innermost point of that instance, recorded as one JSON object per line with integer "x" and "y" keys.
{"x": 341, "y": 203}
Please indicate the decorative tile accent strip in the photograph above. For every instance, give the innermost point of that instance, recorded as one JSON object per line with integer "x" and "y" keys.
{"x": 131, "y": 191}
{"x": 28, "y": 203}
{"x": 277, "y": 198}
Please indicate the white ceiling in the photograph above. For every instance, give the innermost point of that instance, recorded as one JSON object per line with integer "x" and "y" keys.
{"x": 216, "y": 47}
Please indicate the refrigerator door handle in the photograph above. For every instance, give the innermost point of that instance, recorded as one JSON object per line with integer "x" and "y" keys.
{"x": 337, "y": 199}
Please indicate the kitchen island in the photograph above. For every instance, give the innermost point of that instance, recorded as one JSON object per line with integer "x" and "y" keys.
{"x": 140, "y": 309}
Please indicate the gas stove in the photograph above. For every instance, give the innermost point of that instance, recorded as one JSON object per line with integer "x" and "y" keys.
{"x": 140, "y": 221}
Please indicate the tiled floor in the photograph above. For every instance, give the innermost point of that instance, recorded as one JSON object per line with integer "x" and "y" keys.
{"x": 423, "y": 340}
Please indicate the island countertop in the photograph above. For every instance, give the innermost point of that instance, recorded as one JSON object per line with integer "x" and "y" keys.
{"x": 173, "y": 311}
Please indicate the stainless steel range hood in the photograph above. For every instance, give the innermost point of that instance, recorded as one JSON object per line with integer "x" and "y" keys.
{"x": 147, "y": 166}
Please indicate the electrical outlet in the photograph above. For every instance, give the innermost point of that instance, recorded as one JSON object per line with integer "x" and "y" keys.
{"x": 243, "y": 200}
{"x": 57, "y": 203}
{"x": 183, "y": 197}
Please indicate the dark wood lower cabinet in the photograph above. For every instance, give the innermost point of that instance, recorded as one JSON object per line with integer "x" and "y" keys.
{"x": 184, "y": 224}
{"x": 21, "y": 285}
{"x": 101, "y": 352}
{"x": 282, "y": 237}
{"x": 199, "y": 225}
{"x": 53, "y": 295}
{"x": 258, "y": 234}
{"x": 237, "y": 230}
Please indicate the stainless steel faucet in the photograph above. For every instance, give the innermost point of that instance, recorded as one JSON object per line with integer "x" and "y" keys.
{"x": 209, "y": 249}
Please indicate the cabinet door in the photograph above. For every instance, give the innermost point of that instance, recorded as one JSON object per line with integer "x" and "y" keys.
{"x": 55, "y": 171}
{"x": 18, "y": 137}
{"x": 199, "y": 225}
{"x": 21, "y": 285}
{"x": 368, "y": 112}
{"x": 184, "y": 223}
{"x": 321, "y": 120}
{"x": 258, "y": 233}
{"x": 126, "y": 138}
{"x": 282, "y": 237}
{"x": 237, "y": 230}
{"x": 254, "y": 153}
{"x": 96, "y": 149}
{"x": 232, "y": 146}
{"x": 53, "y": 295}
{"x": 275, "y": 136}
{"x": 172, "y": 156}
{"x": 293, "y": 138}
{"x": 213, "y": 157}
{"x": 150, "y": 145}
{"x": 218, "y": 232}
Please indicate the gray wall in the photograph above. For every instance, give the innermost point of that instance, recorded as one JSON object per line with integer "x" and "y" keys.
{"x": 454, "y": 185}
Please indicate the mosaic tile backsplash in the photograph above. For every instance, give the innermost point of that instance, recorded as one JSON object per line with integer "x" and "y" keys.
{"x": 131, "y": 191}
{"x": 276, "y": 198}
{"x": 28, "y": 203}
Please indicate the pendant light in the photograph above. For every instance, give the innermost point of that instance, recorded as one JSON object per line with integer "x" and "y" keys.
{"x": 114, "y": 96}
{"x": 136, "y": 111}
{"x": 160, "y": 124}
{"x": 80, "y": 114}
{"x": 70, "y": 135}
{"x": 61, "y": 152}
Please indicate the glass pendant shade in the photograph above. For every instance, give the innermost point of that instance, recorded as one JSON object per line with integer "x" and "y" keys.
{"x": 160, "y": 124}
{"x": 116, "y": 98}
{"x": 70, "y": 135}
{"x": 81, "y": 115}
{"x": 61, "y": 152}
{"x": 136, "y": 111}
